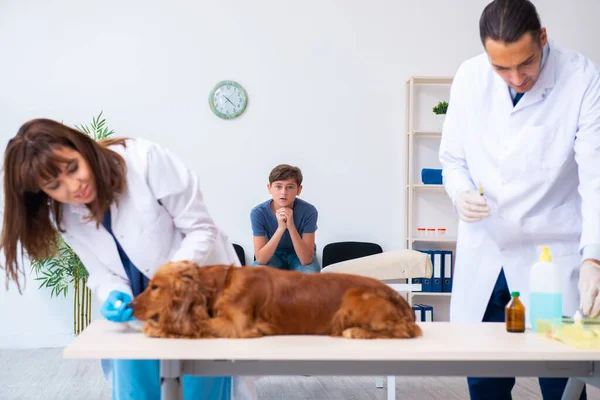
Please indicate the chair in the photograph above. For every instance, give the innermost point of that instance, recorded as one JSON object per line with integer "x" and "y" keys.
{"x": 344, "y": 251}
{"x": 240, "y": 253}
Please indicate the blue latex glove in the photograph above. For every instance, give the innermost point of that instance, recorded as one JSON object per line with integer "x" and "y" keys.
{"x": 115, "y": 307}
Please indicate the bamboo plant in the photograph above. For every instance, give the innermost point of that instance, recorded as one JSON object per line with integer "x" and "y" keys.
{"x": 65, "y": 269}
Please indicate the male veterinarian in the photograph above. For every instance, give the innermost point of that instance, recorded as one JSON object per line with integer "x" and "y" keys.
{"x": 524, "y": 120}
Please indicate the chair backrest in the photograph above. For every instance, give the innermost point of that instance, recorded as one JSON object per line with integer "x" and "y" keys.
{"x": 343, "y": 251}
{"x": 240, "y": 253}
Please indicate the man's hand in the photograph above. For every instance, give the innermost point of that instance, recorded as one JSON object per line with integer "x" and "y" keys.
{"x": 281, "y": 219}
{"x": 589, "y": 287}
{"x": 471, "y": 206}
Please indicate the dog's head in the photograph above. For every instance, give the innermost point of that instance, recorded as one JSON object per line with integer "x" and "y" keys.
{"x": 176, "y": 299}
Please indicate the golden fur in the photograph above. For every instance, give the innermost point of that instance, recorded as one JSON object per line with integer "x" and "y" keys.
{"x": 184, "y": 300}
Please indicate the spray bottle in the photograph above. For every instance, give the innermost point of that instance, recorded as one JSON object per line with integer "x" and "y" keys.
{"x": 545, "y": 289}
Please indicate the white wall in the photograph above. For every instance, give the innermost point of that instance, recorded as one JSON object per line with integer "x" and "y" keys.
{"x": 326, "y": 92}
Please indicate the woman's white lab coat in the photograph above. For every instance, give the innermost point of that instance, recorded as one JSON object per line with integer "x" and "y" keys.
{"x": 538, "y": 163}
{"x": 160, "y": 217}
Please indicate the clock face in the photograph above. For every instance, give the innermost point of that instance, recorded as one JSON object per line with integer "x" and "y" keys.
{"x": 228, "y": 100}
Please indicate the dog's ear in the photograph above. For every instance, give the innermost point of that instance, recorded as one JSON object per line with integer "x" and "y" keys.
{"x": 187, "y": 277}
{"x": 187, "y": 304}
{"x": 179, "y": 317}
{"x": 179, "y": 308}
{"x": 188, "y": 271}
{"x": 187, "y": 290}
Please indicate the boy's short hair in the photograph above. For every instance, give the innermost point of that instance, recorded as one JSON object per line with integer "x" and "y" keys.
{"x": 283, "y": 172}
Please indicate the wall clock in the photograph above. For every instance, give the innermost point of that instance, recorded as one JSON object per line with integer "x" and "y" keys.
{"x": 228, "y": 99}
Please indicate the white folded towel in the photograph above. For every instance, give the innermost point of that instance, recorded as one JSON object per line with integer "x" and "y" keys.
{"x": 390, "y": 265}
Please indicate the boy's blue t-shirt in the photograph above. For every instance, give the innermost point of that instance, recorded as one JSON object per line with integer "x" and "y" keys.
{"x": 264, "y": 222}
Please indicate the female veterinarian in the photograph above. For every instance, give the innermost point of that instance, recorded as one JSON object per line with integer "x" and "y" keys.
{"x": 125, "y": 207}
{"x": 524, "y": 121}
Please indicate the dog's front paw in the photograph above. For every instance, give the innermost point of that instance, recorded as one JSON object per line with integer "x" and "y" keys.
{"x": 151, "y": 330}
{"x": 206, "y": 334}
{"x": 358, "y": 333}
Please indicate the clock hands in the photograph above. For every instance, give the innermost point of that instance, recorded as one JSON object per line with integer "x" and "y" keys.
{"x": 226, "y": 98}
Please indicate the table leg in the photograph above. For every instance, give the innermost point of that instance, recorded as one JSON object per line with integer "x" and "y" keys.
{"x": 391, "y": 387}
{"x": 170, "y": 380}
{"x": 573, "y": 389}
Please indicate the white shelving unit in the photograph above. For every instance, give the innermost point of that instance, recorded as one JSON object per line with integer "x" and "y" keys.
{"x": 418, "y": 107}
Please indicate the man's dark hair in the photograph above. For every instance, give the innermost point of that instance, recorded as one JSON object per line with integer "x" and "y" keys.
{"x": 507, "y": 21}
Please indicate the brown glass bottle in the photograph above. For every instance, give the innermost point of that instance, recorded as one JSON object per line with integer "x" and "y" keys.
{"x": 515, "y": 314}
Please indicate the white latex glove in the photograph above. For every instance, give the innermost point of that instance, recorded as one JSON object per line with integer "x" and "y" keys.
{"x": 471, "y": 206}
{"x": 589, "y": 288}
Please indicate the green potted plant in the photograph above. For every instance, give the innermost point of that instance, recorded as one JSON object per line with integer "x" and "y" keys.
{"x": 440, "y": 113}
{"x": 65, "y": 270}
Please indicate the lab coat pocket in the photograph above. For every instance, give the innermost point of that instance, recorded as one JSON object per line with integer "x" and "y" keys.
{"x": 160, "y": 234}
{"x": 470, "y": 234}
{"x": 561, "y": 225}
{"x": 538, "y": 149}
{"x": 162, "y": 225}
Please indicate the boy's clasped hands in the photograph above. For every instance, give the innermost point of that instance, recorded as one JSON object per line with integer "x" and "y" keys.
{"x": 285, "y": 217}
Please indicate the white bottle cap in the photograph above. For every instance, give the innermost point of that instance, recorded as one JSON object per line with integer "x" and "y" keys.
{"x": 118, "y": 304}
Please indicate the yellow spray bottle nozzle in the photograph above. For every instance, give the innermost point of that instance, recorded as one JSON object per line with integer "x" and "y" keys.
{"x": 545, "y": 256}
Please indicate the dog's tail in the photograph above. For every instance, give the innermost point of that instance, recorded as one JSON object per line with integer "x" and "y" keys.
{"x": 410, "y": 329}
{"x": 406, "y": 327}
{"x": 396, "y": 299}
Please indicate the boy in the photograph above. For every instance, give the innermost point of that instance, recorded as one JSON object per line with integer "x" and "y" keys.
{"x": 284, "y": 226}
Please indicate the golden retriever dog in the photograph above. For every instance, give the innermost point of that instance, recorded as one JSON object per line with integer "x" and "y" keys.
{"x": 184, "y": 300}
